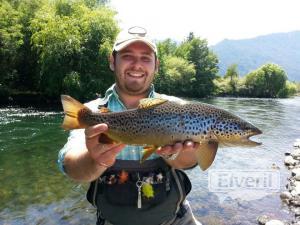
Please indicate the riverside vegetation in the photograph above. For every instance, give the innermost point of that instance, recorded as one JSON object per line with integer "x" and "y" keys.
{"x": 61, "y": 46}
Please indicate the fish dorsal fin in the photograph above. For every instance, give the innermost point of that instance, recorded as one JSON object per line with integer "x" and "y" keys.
{"x": 104, "y": 110}
{"x": 147, "y": 103}
{"x": 206, "y": 154}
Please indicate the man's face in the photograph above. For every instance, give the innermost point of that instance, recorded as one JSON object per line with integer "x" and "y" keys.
{"x": 134, "y": 68}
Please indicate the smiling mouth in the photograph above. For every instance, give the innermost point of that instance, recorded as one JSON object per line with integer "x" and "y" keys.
{"x": 135, "y": 74}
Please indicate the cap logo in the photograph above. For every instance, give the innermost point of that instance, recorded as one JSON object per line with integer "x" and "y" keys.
{"x": 138, "y": 31}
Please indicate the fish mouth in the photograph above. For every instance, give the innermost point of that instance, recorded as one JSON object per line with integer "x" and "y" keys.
{"x": 249, "y": 142}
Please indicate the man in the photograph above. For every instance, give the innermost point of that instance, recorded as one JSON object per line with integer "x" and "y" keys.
{"x": 119, "y": 181}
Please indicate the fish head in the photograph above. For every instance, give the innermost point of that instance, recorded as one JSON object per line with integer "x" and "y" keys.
{"x": 234, "y": 131}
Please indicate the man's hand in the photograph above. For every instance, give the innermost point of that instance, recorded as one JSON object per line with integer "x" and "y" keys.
{"x": 175, "y": 149}
{"x": 103, "y": 154}
{"x": 184, "y": 154}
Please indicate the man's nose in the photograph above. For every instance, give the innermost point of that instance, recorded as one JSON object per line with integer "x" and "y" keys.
{"x": 137, "y": 63}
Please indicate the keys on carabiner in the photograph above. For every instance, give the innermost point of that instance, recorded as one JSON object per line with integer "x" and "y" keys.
{"x": 139, "y": 185}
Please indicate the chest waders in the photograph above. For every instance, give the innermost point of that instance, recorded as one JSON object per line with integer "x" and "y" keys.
{"x": 124, "y": 204}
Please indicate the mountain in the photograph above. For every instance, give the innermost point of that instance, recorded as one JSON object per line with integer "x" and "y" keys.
{"x": 249, "y": 54}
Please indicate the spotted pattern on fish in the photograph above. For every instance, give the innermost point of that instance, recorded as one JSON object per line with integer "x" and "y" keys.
{"x": 171, "y": 122}
{"x": 157, "y": 122}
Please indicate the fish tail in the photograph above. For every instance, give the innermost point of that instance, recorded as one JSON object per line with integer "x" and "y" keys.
{"x": 72, "y": 109}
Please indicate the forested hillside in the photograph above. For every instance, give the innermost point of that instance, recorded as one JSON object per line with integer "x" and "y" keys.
{"x": 249, "y": 54}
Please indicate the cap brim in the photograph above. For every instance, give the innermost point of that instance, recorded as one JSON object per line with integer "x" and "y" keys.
{"x": 124, "y": 44}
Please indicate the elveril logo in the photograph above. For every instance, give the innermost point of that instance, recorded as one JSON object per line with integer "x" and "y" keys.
{"x": 238, "y": 180}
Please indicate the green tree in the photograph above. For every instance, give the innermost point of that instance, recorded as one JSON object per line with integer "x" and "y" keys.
{"x": 72, "y": 38}
{"x": 222, "y": 86}
{"x": 180, "y": 75}
{"x": 28, "y": 74}
{"x": 231, "y": 72}
{"x": 290, "y": 89}
{"x": 267, "y": 81}
{"x": 233, "y": 77}
{"x": 196, "y": 51}
{"x": 11, "y": 39}
{"x": 165, "y": 48}
{"x": 72, "y": 84}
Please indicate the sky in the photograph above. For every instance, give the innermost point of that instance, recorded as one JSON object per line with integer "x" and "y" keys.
{"x": 214, "y": 20}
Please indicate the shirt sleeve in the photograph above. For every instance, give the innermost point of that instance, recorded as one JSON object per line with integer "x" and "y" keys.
{"x": 76, "y": 140}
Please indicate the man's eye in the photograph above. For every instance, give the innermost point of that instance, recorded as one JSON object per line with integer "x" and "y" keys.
{"x": 127, "y": 57}
{"x": 146, "y": 59}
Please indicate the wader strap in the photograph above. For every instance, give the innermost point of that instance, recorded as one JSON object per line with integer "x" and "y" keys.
{"x": 100, "y": 220}
{"x": 95, "y": 193}
{"x": 180, "y": 200}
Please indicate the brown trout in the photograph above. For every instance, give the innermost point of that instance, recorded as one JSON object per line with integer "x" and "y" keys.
{"x": 158, "y": 122}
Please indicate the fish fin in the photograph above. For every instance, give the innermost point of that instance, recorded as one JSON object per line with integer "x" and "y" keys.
{"x": 206, "y": 154}
{"x": 104, "y": 110}
{"x": 71, "y": 109}
{"x": 147, "y": 151}
{"x": 103, "y": 138}
{"x": 147, "y": 103}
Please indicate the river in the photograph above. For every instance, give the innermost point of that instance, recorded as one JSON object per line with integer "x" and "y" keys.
{"x": 242, "y": 183}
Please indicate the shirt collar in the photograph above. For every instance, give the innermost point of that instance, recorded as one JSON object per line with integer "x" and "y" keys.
{"x": 112, "y": 92}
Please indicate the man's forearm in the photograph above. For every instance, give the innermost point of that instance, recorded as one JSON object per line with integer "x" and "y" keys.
{"x": 81, "y": 167}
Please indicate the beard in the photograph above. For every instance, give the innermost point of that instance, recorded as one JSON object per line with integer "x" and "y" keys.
{"x": 134, "y": 86}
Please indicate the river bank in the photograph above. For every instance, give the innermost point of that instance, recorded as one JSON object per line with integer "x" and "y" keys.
{"x": 291, "y": 196}
{"x": 40, "y": 100}
{"x": 29, "y": 99}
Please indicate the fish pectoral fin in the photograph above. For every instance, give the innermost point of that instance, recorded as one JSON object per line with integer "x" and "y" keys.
{"x": 104, "y": 110}
{"x": 147, "y": 103}
{"x": 72, "y": 108}
{"x": 206, "y": 154}
{"x": 147, "y": 151}
{"x": 105, "y": 139}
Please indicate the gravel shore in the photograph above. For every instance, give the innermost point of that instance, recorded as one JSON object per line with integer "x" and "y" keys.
{"x": 291, "y": 196}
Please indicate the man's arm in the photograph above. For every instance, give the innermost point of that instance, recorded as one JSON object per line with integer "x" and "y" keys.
{"x": 88, "y": 163}
{"x": 80, "y": 166}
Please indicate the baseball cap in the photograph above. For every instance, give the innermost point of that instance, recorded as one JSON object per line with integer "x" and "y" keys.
{"x": 133, "y": 34}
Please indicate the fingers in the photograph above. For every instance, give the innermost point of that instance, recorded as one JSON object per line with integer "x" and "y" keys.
{"x": 92, "y": 133}
{"x": 103, "y": 148}
{"x": 170, "y": 149}
{"x": 189, "y": 145}
{"x": 111, "y": 152}
{"x": 177, "y": 147}
{"x": 103, "y": 154}
{"x": 108, "y": 156}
